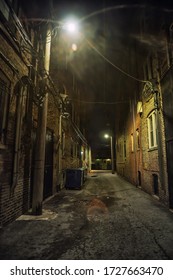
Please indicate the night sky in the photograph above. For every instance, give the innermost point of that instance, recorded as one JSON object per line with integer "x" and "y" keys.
{"x": 112, "y": 33}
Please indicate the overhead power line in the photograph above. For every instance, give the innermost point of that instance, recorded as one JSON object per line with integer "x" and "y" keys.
{"x": 115, "y": 66}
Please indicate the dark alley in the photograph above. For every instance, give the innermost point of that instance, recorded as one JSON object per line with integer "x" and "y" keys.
{"x": 107, "y": 219}
{"x": 86, "y": 130}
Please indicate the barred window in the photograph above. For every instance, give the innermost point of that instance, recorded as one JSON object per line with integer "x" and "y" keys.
{"x": 4, "y": 106}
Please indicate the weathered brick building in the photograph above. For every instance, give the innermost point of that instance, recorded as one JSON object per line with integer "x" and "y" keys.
{"x": 22, "y": 91}
{"x": 144, "y": 146}
{"x": 14, "y": 110}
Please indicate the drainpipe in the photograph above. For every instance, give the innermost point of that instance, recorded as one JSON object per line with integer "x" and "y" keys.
{"x": 39, "y": 162}
{"x": 159, "y": 138}
{"x": 60, "y": 152}
{"x": 134, "y": 141}
{"x": 18, "y": 137}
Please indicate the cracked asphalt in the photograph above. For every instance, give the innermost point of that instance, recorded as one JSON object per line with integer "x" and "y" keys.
{"x": 108, "y": 219}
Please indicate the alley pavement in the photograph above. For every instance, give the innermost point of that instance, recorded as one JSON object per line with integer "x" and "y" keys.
{"x": 107, "y": 219}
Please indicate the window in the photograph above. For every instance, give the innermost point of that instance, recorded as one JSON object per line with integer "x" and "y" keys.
{"x": 137, "y": 138}
{"x": 73, "y": 148}
{"x": 4, "y": 104}
{"x": 132, "y": 143}
{"x": 152, "y": 130}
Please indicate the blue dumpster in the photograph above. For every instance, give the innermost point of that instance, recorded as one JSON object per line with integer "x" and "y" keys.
{"x": 74, "y": 178}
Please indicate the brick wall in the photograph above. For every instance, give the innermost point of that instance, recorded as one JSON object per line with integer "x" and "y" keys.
{"x": 142, "y": 164}
{"x": 13, "y": 200}
{"x": 152, "y": 157}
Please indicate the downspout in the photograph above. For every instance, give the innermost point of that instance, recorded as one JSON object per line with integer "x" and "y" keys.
{"x": 60, "y": 182}
{"x": 18, "y": 133}
{"x": 39, "y": 161}
{"x": 159, "y": 138}
{"x": 134, "y": 141}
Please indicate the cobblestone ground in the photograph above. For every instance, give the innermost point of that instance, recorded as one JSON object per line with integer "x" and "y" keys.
{"x": 107, "y": 219}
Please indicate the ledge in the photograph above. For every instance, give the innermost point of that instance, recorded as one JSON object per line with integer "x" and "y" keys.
{"x": 153, "y": 149}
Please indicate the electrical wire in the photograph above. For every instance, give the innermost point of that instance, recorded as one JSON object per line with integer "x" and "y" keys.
{"x": 54, "y": 94}
{"x": 115, "y": 66}
{"x": 19, "y": 27}
{"x": 108, "y": 9}
{"x": 31, "y": 49}
{"x": 79, "y": 133}
{"x": 126, "y": 6}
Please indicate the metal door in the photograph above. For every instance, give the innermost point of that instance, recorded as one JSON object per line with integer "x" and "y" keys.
{"x": 48, "y": 170}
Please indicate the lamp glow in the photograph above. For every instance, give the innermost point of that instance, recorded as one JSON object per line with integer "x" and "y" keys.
{"x": 71, "y": 26}
{"x": 106, "y": 136}
{"x": 112, "y": 152}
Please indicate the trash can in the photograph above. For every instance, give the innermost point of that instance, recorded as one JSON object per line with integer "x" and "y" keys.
{"x": 74, "y": 178}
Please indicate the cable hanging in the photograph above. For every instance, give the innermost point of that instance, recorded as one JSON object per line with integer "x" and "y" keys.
{"x": 115, "y": 66}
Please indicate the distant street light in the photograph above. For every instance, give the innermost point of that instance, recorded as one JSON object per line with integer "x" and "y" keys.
{"x": 112, "y": 152}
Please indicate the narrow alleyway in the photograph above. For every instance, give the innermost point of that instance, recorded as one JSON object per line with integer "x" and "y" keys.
{"x": 108, "y": 219}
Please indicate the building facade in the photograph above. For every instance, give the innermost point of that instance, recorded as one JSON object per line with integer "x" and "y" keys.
{"x": 23, "y": 86}
{"x": 144, "y": 145}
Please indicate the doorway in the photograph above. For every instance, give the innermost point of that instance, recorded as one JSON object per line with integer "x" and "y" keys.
{"x": 48, "y": 169}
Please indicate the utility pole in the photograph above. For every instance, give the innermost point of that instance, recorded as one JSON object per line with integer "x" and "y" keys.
{"x": 39, "y": 162}
{"x": 112, "y": 151}
{"x": 134, "y": 141}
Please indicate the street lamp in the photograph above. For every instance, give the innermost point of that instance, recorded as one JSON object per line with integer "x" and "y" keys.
{"x": 70, "y": 26}
{"x": 112, "y": 152}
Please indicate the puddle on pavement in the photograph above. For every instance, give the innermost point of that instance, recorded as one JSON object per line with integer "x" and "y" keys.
{"x": 96, "y": 210}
